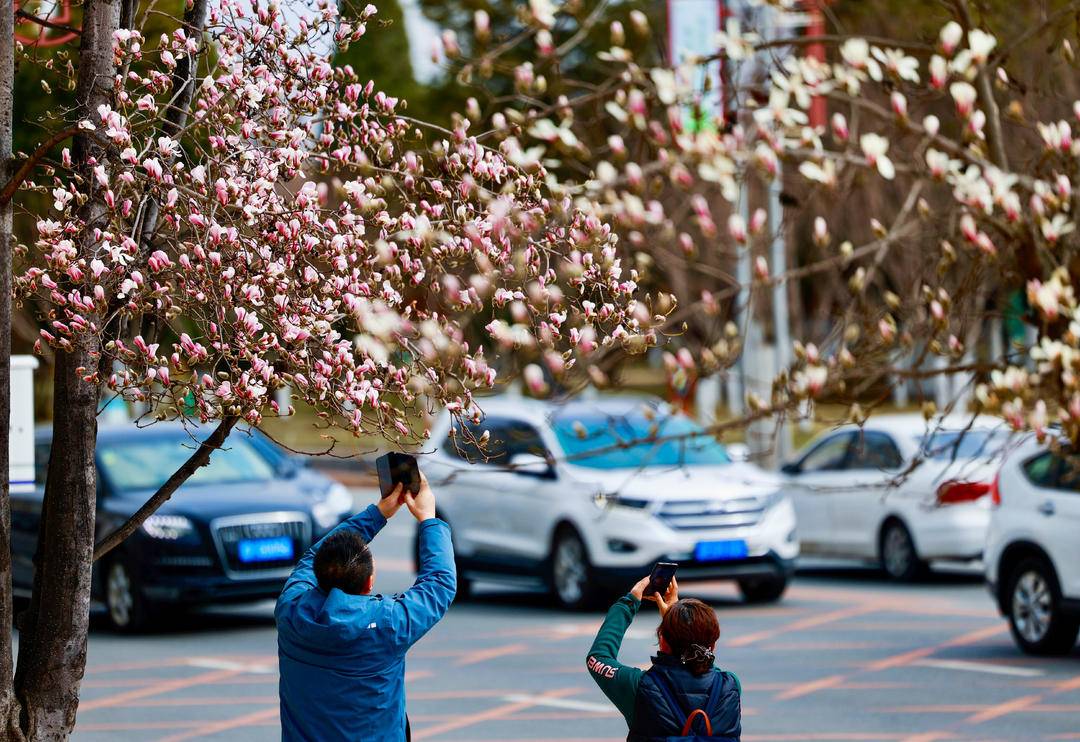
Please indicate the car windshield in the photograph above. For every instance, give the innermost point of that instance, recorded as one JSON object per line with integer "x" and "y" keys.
{"x": 146, "y": 464}
{"x": 635, "y": 440}
{"x": 963, "y": 444}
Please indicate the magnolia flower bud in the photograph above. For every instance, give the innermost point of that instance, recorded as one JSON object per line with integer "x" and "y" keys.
{"x": 840, "y": 127}
{"x": 737, "y": 228}
{"x": 618, "y": 35}
{"x": 899, "y": 104}
{"x": 482, "y": 25}
{"x": 757, "y": 221}
{"x": 939, "y": 72}
{"x": 821, "y": 232}
{"x": 761, "y": 268}
{"x": 932, "y": 125}
{"x": 450, "y": 45}
{"x": 951, "y": 36}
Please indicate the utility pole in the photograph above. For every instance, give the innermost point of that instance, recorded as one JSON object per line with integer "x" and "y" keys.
{"x": 781, "y": 311}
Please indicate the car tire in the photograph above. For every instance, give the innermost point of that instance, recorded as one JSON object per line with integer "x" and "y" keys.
{"x": 126, "y": 608}
{"x": 464, "y": 585}
{"x": 1033, "y": 599}
{"x": 897, "y": 554}
{"x": 767, "y": 590}
{"x": 569, "y": 572}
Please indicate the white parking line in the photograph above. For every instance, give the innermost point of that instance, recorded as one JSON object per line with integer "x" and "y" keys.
{"x": 559, "y": 703}
{"x": 1019, "y": 672}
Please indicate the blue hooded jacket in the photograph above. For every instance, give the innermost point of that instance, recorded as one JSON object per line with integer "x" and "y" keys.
{"x": 342, "y": 657}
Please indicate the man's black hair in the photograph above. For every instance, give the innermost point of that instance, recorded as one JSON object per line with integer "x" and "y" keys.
{"x": 344, "y": 561}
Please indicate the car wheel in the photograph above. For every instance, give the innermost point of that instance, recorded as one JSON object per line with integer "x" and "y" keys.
{"x": 569, "y": 577}
{"x": 127, "y": 608}
{"x": 898, "y": 556}
{"x": 464, "y": 589}
{"x": 1035, "y": 615}
{"x": 768, "y": 590}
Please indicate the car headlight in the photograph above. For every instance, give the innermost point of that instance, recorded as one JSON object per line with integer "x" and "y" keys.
{"x": 169, "y": 527}
{"x": 336, "y": 503}
{"x": 605, "y": 500}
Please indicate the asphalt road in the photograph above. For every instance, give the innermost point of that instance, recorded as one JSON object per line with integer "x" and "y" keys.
{"x": 846, "y": 656}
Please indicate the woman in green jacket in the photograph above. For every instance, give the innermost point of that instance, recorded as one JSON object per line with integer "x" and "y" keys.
{"x": 682, "y": 695}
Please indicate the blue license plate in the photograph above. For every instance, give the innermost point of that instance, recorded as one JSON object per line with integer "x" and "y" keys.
{"x": 265, "y": 549}
{"x": 720, "y": 551}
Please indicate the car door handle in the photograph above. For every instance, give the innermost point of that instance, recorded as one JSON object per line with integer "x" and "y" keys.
{"x": 1047, "y": 508}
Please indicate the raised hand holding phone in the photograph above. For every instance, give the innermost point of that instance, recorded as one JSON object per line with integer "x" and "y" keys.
{"x": 422, "y": 504}
{"x": 397, "y": 468}
{"x": 668, "y": 599}
{"x": 662, "y": 575}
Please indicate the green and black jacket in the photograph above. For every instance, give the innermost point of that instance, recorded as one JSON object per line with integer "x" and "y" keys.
{"x": 619, "y": 682}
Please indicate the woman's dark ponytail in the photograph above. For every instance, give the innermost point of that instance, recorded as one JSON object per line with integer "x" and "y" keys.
{"x": 690, "y": 629}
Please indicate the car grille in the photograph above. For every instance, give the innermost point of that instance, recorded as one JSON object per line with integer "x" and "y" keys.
{"x": 229, "y": 532}
{"x": 690, "y": 515}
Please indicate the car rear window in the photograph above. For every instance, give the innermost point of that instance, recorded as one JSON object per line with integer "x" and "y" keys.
{"x": 963, "y": 444}
{"x": 146, "y": 464}
{"x": 635, "y": 440}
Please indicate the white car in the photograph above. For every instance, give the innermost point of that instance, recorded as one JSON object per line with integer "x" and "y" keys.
{"x": 1033, "y": 548}
{"x": 575, "y": 498}
{"x": 898, "y": 490}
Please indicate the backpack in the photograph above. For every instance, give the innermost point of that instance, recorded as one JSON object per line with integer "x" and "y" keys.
{"x": 697, "y": 726}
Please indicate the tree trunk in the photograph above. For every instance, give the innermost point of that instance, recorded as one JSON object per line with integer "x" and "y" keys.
{"x": 9, "y": 704}
{"x": 52, "y": 642}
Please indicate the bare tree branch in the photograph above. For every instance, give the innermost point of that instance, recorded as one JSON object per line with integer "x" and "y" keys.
{"x": 197, "y": 460}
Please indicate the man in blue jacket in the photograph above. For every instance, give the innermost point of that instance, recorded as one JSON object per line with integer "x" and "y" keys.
{"x": 341, "y": 649}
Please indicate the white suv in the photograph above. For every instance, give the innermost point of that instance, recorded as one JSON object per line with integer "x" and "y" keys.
{"x": 1033, "y": 548}
{"x": 584, "y": 498}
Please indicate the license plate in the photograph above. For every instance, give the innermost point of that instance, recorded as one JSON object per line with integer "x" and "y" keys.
{"x": 720, "y": 551}
{"x": 265, "y": 549}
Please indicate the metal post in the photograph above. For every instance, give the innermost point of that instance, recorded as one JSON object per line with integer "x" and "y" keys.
{"x": 743, "y": 315}
{"x": 781, "y": 311}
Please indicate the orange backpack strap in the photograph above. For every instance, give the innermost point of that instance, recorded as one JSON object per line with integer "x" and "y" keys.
{"x": 690, "y": 722}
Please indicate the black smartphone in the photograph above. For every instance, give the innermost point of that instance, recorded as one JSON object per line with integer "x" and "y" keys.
{"x": 662, "y": 575}
{"x": 397, "y": 468}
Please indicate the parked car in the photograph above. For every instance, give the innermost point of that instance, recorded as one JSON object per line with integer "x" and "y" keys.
{"x": 898, "y": 490}
{"x": 1033, "y": 547}
{"x": 585, "y": 497}
{"x": 231, "y": 533}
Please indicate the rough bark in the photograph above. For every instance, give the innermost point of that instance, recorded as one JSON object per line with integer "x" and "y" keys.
{"x": 9, "y": 705}
{"x": 52, "y": 650}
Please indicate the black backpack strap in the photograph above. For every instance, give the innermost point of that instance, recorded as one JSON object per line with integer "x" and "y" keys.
{"x": 715, "y": 691}
{"x": 669, "y": 696}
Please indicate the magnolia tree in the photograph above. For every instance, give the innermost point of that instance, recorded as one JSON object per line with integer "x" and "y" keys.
{"x": 235, "y": 215}
{"x": 935, "y": 187}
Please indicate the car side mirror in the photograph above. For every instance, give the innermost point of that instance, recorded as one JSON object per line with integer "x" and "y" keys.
{"x": 790, "y": 467}
{"x": 290, "y": 466}
{"x": 531, "y": 465}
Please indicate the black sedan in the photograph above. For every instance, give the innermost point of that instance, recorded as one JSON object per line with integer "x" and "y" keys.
{"x": 231, "y": 533}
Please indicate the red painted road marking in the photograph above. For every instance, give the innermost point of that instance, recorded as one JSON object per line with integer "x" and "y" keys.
{"x": 813, "y": 686}
{"x": 238, "y": 722}
{"x": 152, "y": 690}
{"x": 805, "y": 623}
{"x": 484, "y": 655}
{"x": 499, "y": 712}
{"x": 899, "y": 660}
{"x": 906, "y": 658}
